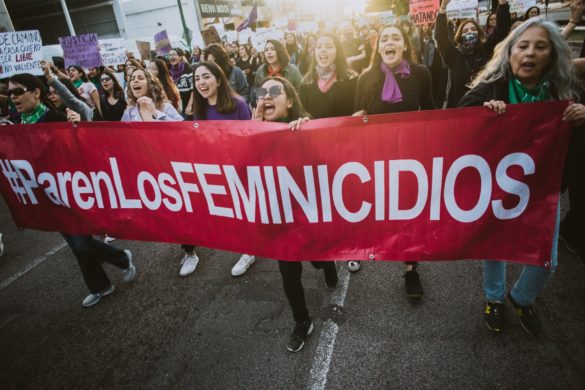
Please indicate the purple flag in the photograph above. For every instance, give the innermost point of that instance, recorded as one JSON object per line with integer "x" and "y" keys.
{"x": 250, "y": 19}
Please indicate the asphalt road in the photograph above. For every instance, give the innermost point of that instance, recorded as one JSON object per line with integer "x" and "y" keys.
{"x": 213, "y": 331}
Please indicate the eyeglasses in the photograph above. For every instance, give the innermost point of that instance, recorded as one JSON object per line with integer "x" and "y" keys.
{"x": 273, "y": 92}
{"x": 104, "y": 79}
{"x": 17, "y": 91}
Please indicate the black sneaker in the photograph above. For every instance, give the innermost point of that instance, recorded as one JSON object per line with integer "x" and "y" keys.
{"x": 413, "y": 287}
{"x": 495, "y": 316}
{"x": 528, "y": 318}
{"x": 296, "y": 341}
{"x": 330, "y": 277}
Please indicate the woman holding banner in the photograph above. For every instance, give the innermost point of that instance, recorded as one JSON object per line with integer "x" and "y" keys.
{"x": 279, "y": 102}
{"x": 532, "y": 64}
{"x": 469, "y": 51}
{"x": 394, "y": 83}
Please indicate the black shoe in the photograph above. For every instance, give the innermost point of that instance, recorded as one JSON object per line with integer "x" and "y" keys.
{"x": 330, "y": 277}
{"x": 296, "y": 341}
{"x": 495, "y": 316}
{"x": 528, "y": 318}
{"x": 413, "y": 287}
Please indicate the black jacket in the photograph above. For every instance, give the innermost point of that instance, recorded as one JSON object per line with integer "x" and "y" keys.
{"x": 337, "y": 101}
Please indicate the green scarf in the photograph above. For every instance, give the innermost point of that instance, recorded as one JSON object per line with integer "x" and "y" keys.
{"x": 77, "y": 83}
{"x": 518, "y": 93}
{"x": 35, "y": 116}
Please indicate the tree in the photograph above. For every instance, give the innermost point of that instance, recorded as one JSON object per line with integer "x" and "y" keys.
{"x": 400, "y": 7}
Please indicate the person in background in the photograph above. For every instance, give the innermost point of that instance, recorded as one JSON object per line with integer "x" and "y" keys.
{"x": 490, "y": 25}
{"x": 354, "y": 48}
{"x": 531, "y": 12}
{"x": 307, "y": 54}
{"x": 279, "y": 102}
{"x": 532, "y": 64}
{"x": 86, "y": 89}
{"x": 93, "y": 75}
{"x": 394, "y": 83}
{"x": 112, "y": 101}
{"x": 196, "y": 56}
{"x": 292, "y": 47}
{"x": 248, "y": 65}
{"x": 431, "y": 57}
{"x": 182, "y": 75}
{"x": 64, "y": 96}
{"x": 159, "y": 69}
{"x": 237, "y": 79}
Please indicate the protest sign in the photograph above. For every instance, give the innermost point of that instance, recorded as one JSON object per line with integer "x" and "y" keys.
{"x": 423, "y": 11}
{"x": 462, "y": 9}
{"x": 521, "y": 6}
{"x": 20, "y": 52}
{"x": 244, "y": 35}
{"x": 210, "y": 36}
{"x": 113, "y": 51}
{"x": 82, "y": 50}
{"x": 162, "y": 45}
{"x": 387, "y": 18}
{"x": 143, "y": 49}
{"x": 231, "y": 36}
{"x": 430, "y": 185}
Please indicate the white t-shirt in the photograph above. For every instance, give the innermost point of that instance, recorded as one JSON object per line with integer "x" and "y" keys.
{"x": 85, "y": 91}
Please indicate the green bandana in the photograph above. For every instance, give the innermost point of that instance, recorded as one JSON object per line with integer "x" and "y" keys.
{"x": 77, "y": 83}
{"x": 518, "y": 93}
{"x": 35, "y": 116}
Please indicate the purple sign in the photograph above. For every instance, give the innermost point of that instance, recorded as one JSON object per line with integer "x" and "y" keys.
{"x": 82, "y": 50}
{"x": 162, "y": 45}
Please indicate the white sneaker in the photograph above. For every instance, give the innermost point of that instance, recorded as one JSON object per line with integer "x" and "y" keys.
{"x": 130, "y": 272}
{"x": 353, "y": 265}
{"x": 1, "y": 244}
{"x": 243, "y": 264}
{"x": 108, "y": 239}
{"x": 189, "y": 262}
{"x": 93, "y": 299}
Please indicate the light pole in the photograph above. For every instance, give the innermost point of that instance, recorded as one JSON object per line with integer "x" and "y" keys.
{"x": 185, "y": 29}
{"x": 67, "y": 18}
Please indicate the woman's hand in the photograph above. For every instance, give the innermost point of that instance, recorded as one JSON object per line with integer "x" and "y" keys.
{"x": 46, "y": 67}
{"x": 147, "y": 108}
{"x": 258, "y": 112}
{"x": 444, "y": 5}
{"x": 575, "y": 114}
{"x": 360, "y": 113}
{"x": 498, "y": 106}
{"x": 296, "y": 125}
{"x": 72, "y": 116}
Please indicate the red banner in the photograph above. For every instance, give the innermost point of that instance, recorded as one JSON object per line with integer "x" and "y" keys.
{"x": 423, "y": 11}
{"x": 433, "y": 185}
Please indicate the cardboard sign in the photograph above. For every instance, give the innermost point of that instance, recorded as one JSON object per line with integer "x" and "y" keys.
{"x": 423, "y": 11}
{"x": 144, "y": 49}
{"x": 162, "y": 45}
{"x": 113, "y": 51}
{"x": 210, "y": 36}
{"x": 82, "y": 50}
{"x": 521, "y": 6}
{"x": 462, "y": 9}
{"x": 20, "y": 52}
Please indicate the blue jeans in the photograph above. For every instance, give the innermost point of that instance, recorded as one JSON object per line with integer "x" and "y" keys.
{"x": 531, "y": 281}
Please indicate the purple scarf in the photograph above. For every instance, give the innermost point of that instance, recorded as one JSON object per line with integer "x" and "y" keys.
{"x": 391, "y": 91}
{"x": 177, "y": 72}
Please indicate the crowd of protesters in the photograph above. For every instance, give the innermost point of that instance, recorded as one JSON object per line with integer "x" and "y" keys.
{"x": 378, "y": 70}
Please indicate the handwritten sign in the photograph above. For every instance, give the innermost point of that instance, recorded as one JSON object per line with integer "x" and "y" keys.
{"x": 423, "y": 11}
{"x": 143, "y": 49}
{"x": 162, "y": 45}
{"x": 20, "y": 52}
{"x": 521, "y": 6}
{"x": 462, "y": 9}
{"x": 113, "y": 51}
{"x": 82, "y": 50}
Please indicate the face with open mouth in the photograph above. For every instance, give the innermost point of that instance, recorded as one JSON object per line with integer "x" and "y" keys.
{"x": 274, "y": 107}
{"x": 74, "y": 74}
{"x": 270, "y": 54}
{"x": 25, "y": 101}
{"x": 139, "y": 84}
{"x": 391, "y": 46}
{"x": 325, "y": 51}
{"x": 530, "y": 55}
{"x": 54, "y": 98}
{"x": 174, "y": 58}
{"x": 206, "y": 84}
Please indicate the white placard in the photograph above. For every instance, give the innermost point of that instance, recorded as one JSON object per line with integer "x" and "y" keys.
{"x": 462, "y": 9}
{"x": 521, "y": 6}
{"x": 113, "y": 51}
{"x": 20, "y": 52}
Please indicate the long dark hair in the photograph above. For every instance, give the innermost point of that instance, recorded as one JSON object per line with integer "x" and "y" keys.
{"x": 168, "y": 85}
{"x": 31, "y": 83}
{"x": 342, "y": 68}
{"x": 220, "y": 57}
{"x": 372, "y": 78}
{"x": 297, "y": 110}
{"x": 281, "y": 53}
{"x": 226, "y": 97}
{"x": 118, "y": 91}
{"x": 80, "y": 70}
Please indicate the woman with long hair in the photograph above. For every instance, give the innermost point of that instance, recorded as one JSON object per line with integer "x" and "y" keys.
{"x": 469, "y": 51}
{"x": 86, "y": 88}
{"x": 394, "y": 83}
{"x": 30, "y": 100}
{"x": 307, "y": 54}
{"x": 159, "y": 69}
{"x": 64, "y": 96}
{"x": 279, "y": 102}
{"x": 113, "y": 102}
{"x": 182, "y": 75}
{"x": 532, "y": 64}
{"x": 216, "y": 53}
{"x": 248, "y": 64}
{"x": 292, "y": 47}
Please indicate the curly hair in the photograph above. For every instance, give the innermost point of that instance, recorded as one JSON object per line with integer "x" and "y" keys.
{"x": 155, "y": 90}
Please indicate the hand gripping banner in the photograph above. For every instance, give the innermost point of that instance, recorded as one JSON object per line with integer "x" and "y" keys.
{"x": 434, "y": 185}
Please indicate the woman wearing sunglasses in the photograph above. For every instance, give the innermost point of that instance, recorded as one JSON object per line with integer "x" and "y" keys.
{"x": 112, "y": 102}
{"x": 30, "y": 100}
{"x": 393, "y": 83}
{"x": 214, "y": 99}
{"x": 279, "y": 102}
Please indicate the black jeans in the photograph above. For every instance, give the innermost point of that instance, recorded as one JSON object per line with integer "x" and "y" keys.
{"x": 291, "y": 272}
{"x": 90, "y": 254}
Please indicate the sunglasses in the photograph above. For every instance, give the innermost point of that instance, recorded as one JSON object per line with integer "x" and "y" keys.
{"x": 17, "y": 91}
{"x": 103, "y": 79}
{"x": 273, "y": 92}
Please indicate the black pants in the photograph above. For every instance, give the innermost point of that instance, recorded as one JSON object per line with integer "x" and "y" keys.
{"x": 573, "y": 225}
{"x": 90, "y": 254}
{"x": 291, "y": 272}
{"x": 188, "y": 248}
